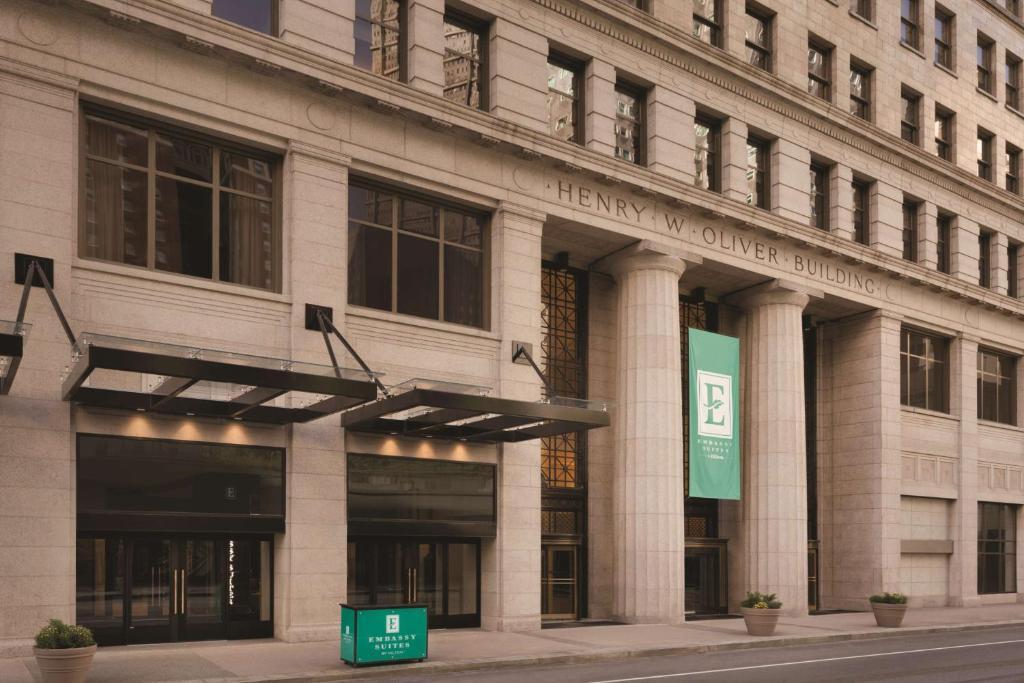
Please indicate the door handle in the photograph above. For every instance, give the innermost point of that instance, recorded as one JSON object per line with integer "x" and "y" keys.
{"x": 415, "y": 584}
{"x": 182, "y": 593}
{"x": 174, "y": 592}
{"x": 408, "y": 584}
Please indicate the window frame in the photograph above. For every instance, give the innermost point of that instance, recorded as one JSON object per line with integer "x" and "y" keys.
{"x": 943, "y": 242}
{"x": 1005, "y": 539}
{"x": 713, "y": 163}
{"x": 395, "y": 230}
{"x": 860, "y": 105}
{"x": 480, "y": 29}
{"x": 863, "y": 8}
{"x": 985, "y": 258}
{"x": 1005, "y": 386}
{"x": 1013, "y": 81}
{"x": 762, "y": 178}
{"x": 908, "y": 96}
{"x": 935, "y": 368}
{"x": 820, "y": 173}
{"x": 758, "y": 13}
{"x": 945, "y": 45}
{"x": 153, "y": 128}
{"x": 861, "y": 214}
{"x": 911, "y": 229}
{"x": 910, "y": 26}
{"x": 943, "y": 146}
{"x": 1012, "y": 161}
{"x": 985, "y": 53}
{"x": 562, "y": 61}
{"x": 716, "y": 27}
{"x": 986, "y": 142}
{"x": 402, "y": 74}
{"x": 639, "y": 95}
{"x": 275, "y": 19}
{"x": 825, "y": 83}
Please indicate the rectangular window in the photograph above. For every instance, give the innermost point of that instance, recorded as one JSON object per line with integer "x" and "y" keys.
{"x": 863, "y": 8}
{"x": 986, "y": 80}
{"x": 910, "y": 23}
{"x": 214, "y": 212}
{"x": 758, "y": 32}
{"x": 944, "y": 32}
{"x": 944, "y": 120}
{"x": 1011, "y": 6}
{"x": 1013, "y": 270}
{"x": 1012, "y": 160}
{"x": 565, "y": 99}
{"x": 819, "y": 196}
{"x": 258, "y": 15}
{"x": 1012, "y": 81}
{"x": 985, "y": 155}
{"x": 860, "y": 90}
{"x": 630, "y": 135}
{"x": 819, "y": 70}
{"x": 705, "y": 154}
{"x": 985, "y": 259}
{"x": 415, "y": 256}
{"x": 997, "y": 548}
{"x": 758, "y": 184}
{"x": 861, "y": 212}
{"x": 944, "y": 224}
{"x": 923, "y": 370}
{"x": 379, "y": 39}
{"x": 910, "y": 121}
{"x": 910, "y": 211}
{"x": 997, "y": 387}
{"x": 707, "y": 21}
{"x": 465, "y": 50}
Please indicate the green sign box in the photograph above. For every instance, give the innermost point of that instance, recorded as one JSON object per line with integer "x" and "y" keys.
{"x": 714, "y": 415}
{"x": 383, "y": 634}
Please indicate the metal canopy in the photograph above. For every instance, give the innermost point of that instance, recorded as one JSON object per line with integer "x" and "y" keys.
{"x": 12, "y": 347}
{"x": 152, "y": 377}
{"x": 426, "y": 409}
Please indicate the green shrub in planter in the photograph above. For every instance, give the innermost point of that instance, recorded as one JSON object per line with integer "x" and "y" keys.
{"x": 761, "y": 601}
{"x": 889, "y": 598}
{"x": 60, "y": 636}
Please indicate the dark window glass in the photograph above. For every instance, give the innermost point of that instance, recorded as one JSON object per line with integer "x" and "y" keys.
{"x": 910, "y": 119}
{"x": 910, "y": 211}
{"x": 565, "y": 100}
{"x": 923, "y": 370}
{"x": 416, "y": 257}
{"x": 986, "y": 80}
{"x": 861, "y": 213}
{"x": 819, "y": 196}
{"x": 860, "y": 91}
{"x": 985, "y": 259}
{"x": 392, "y": 488}
{"x": 1011, "y": 159}
{"x": 707, "y": 21}
{"x": 944, "y": 133}
{"x": 997, "y": 387}
{"x": 629, "y": 124}
{"x": 758, "y": 36}
{"x": 944, "y": 38}
{"x": 944, "y": 223}
{"x": 378, "y": 37}
{"x": 705, "y": 155}
{"x": 465, "y": 78}
{"x": 259, "y": 15}
{"x": 758, "y": 185}
{"x": 99, "y": 582}
{"x": 119, "y": 475}
{"x": 910, "y": 32}
{"x": 1013, "y": 271}
{"x": 819, "y": 71}
{"x": 863, "y": 8}
{"x": 997, "y": 548}
{"x": 183, "y": 179}
{"x": 985, "y": 155}
{"x": 1012, "y": 81}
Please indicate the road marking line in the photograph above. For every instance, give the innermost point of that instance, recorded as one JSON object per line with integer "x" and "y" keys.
{"x": 805, "y": 661}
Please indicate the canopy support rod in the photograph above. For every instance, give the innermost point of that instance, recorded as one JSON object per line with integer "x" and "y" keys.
{"x": 521, "y": 351}
{"x": 35, "y": 269}
{"x": 325, "y": 324}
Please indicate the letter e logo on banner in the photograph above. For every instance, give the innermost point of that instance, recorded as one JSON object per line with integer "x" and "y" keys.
{"x": 715, "y": 396}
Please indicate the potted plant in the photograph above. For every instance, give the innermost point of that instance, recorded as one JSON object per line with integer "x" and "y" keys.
{"x": 889, "y": 609}
{"x": 761, "y": 613}
{"x": 64, "y": 652}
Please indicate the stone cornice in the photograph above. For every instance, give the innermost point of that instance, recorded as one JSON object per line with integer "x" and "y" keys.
{"x": 1003, "y": 14}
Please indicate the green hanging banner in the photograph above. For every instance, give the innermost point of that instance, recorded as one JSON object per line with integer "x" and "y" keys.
{"x": 714, "y": 415}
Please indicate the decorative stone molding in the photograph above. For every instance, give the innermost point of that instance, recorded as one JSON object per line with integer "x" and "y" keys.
{"x": 776, "y": 291}
{"x": 922, "y": 469}
{"x": 1000, "y": 477}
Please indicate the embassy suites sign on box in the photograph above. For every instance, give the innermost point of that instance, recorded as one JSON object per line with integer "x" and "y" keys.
{"x": 714, "y": 415}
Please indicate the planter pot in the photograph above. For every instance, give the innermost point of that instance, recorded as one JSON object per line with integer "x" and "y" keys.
{"x": 760, "y": 622}
{"x": 70, "y": 665}
{"x": 888, "y": 616}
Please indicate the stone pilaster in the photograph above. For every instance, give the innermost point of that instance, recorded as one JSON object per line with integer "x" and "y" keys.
{"x": 648, "y": 478}
{"x": 599, "y": 99}
{"x": 964, "y": 250}
{"x": 322, "y": 27}
{"x": 425, "y": 22}
{"x": 670, "y": 134}
{"x": 928, "y": 235}
{"x": 1000, "y": 261}
{"x": 840, "y": 185}
{"x": 791, "y": 181}
{"x": 734, "y": 159}
{"x": 518, "y": 73}
{"x": 963, "y": 399}
{"x": 678, "y": 13}
{"x": 887, "y": 219}
{"x": 510, "y": 575}
{"x": 774, "y": 485}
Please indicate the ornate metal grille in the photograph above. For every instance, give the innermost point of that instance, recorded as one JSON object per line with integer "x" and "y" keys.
{"x": 703, "y": 315}
{"x": 563, "y": 357}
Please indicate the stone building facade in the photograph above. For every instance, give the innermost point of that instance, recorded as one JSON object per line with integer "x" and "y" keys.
{"x": 834, "y": 183}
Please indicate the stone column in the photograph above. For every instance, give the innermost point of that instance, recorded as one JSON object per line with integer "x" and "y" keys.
{"x": 1000, "y": 262}
{"x": 599, "y": 99}
{"x": 774, "y": 488}
{"x": 425, "y": 42}
{"x": 963, "y": 400}
{"x": 648, "y": 471}
{"x": 887, "y": 219}
{"x": 510, "y": 572}
{"x": 734, "y": 159}
{"x": 928, "y": 235}
{"x": 326, "y": 28}
{"x": 840, "y": 185}
{"x": 670, "y": 134}
{"x": 790, "y": 181}
{"x": 518, "y": 73}
{"x": 964, "y": 250}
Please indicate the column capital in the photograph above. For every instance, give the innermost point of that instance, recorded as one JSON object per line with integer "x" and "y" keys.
{"x": 776, "y": 291}
{"x": 648, "y": 255}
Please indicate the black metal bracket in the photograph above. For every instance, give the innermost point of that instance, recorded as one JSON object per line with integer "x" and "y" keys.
{"x": 519, "y": 350}
{"x": 33, "y": 270}
{"x": 325, "y": 324}
{"x": 23, "y": 263}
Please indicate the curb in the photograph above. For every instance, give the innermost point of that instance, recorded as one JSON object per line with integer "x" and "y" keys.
{"x": 431, "y": 668}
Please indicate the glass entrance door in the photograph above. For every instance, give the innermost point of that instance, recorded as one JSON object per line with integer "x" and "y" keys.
{"x": 558, "y": 578}
{"x": 705, "y": 576}
{"x": 162, "y": 589}
{"x": 445, "y": 576}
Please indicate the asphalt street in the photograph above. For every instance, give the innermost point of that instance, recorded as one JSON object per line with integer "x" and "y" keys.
{"x": 992, "y": 655}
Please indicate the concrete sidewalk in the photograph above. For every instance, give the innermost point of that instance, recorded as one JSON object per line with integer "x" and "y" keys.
{"x": 269, "y": 660}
